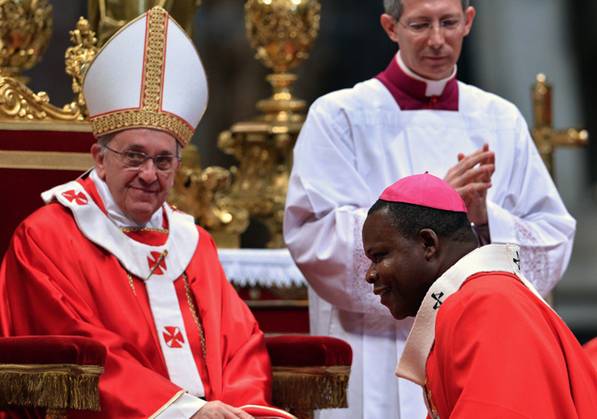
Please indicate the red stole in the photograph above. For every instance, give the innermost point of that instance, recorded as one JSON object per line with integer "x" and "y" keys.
{"x": 155, "y": 237}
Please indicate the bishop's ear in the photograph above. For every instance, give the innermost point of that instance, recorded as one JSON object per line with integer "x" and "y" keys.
{"x": 98, "y": 155}
{"x": 388, "y": 23}
{"x": 430, "y": 243}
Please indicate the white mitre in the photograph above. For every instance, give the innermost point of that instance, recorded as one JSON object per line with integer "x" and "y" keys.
{"x": 148, "y": 75}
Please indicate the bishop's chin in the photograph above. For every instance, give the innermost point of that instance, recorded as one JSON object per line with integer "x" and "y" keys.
{"x": 393, "y": 311}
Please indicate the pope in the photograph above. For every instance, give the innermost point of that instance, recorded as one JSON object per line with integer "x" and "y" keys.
{"x": 108, "y": 258}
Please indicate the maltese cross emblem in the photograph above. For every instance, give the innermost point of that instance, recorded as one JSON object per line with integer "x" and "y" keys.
{"x": 516, "y": 260}
{"x": 437, "y": 297}
{"x": 173, "y": 337}
{"x": 79, "y": 198}
{"x": 157, "y": 263}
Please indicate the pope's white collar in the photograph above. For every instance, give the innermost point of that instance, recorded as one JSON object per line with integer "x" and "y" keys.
{"x": 434, "y": 87}
{"x": 115, "y": 213}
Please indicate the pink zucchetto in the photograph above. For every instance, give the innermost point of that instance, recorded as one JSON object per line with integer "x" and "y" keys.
{"x": 424, "y": 190}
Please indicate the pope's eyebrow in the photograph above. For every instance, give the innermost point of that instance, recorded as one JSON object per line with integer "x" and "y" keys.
{"x": 135, "y": 147}
{"x": 423, "y": 18}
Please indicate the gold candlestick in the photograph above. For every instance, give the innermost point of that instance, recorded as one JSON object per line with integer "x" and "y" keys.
{"x": 282, "y": 32}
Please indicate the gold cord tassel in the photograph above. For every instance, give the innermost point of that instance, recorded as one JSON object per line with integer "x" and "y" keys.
{"x": 54, "y": 386}
{"x": 302, "y": 388}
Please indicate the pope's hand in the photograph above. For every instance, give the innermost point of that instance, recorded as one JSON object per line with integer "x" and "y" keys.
{"x": 471, "y": 177}
{"x": 219, "y": 410}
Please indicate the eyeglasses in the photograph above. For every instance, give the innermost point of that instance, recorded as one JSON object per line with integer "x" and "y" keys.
{"x": 425, "y": 27}
{"x": 135, "y": 159}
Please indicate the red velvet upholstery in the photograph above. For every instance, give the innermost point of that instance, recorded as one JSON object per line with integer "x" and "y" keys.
{"x": 591, "y": 349}
{"x": 282, "y": 319}
{"x": 308, "y": 351}
{"x": 23, "y": 186}
{"x": 71, "y": 141}
{"x": 77, "y": 350}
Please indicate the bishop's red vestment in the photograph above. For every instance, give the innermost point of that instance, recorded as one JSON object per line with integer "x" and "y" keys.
{"x": 497, "y": 350}
{"x": 69, "y": 271}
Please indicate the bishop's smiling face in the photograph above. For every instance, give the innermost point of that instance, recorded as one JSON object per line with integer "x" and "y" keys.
{"x": 138, "y": 191}
{"x": 399, "y": 271}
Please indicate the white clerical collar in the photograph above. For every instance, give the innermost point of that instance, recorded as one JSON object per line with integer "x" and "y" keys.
{"x": 115, "y": 213}
{"x": 434, "y": 87}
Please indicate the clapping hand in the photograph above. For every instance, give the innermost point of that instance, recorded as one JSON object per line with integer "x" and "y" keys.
{"x": 471, "y": 177}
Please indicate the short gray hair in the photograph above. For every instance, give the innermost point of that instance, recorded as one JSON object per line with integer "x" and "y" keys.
{"x": 394, "y": 7}
{"x": 104, "y": 140}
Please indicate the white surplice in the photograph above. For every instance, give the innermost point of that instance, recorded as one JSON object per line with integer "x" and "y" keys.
{"x": 354, "y": 143}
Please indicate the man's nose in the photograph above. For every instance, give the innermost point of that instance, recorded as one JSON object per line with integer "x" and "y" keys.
{"x": 437, "y": 37}
{"x": 371, "y": 274}
{"x": 148, "y": 171}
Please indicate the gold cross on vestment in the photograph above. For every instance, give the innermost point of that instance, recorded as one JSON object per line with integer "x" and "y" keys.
{"x": 546, "y": 138}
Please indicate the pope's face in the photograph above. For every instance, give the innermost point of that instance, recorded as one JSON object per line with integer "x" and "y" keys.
{"x": 430, "y": 35}
{"x": 138, "y": 191}
{"x": 399, "y": 271}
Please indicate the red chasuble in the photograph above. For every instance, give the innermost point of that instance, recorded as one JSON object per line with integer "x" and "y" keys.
{"x": 484, "y": 344}
{"x": 500, "y": 352}
{"x": 55, "y": 281}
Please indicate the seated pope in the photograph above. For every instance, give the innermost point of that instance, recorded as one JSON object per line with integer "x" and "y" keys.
{"x": 107, "y": 258}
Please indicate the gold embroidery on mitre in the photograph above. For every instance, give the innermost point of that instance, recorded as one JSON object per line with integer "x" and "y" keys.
{"x": 157, "y": 21}
{"x": 133, "y": 118}
{"x": 150, "y": 115}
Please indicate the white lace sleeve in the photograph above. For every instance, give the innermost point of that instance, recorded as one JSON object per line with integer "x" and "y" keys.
{"x": 534, "y": 261}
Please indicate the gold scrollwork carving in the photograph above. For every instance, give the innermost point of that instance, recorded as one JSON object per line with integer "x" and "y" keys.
{"x": 261, "y": 179}
{"x": 25, "y": 31}
{"x": 205, "y": 195}
{"x": 18, "y": 102}
{"x": 77, "y": 58}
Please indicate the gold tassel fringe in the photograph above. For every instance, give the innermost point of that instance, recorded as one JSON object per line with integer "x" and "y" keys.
{"x": 304, "y": 388}
{"x": 60, "y": 386}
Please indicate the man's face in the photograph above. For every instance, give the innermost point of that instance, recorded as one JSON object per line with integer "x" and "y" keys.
{"x": 430, "y": 35}
{"x": 139, "y": 191}
{"x": 399, "y": 271}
